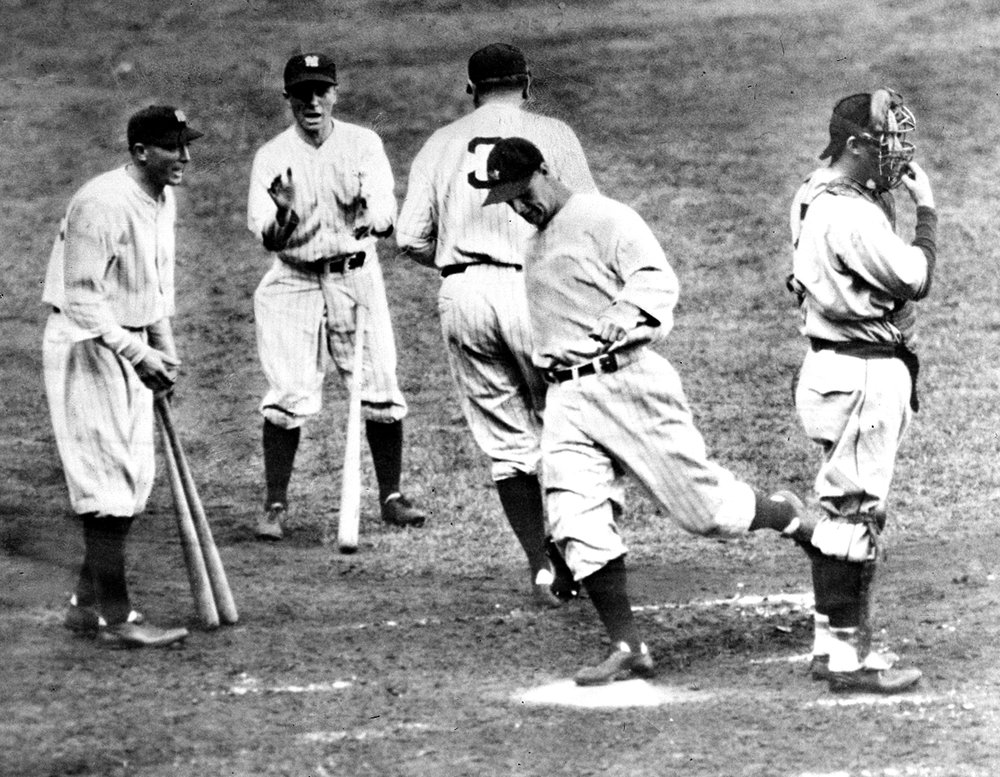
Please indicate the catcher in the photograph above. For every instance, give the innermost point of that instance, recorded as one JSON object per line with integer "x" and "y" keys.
{"x": 856, "y": 283}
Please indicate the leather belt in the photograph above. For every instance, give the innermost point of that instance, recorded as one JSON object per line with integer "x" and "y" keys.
{"x": 609, "y": 362}
{"x": 454, "y": 269}
{"x": 330, "y": 264}
{"x": 870, "y": 350}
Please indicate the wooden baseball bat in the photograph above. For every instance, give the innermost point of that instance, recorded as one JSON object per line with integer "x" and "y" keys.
{"x": 350, "y": 482}
{"x": 194, "y": 560}
{"x": 221, "y": 592}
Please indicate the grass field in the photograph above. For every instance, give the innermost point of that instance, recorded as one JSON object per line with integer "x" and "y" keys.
{"x": 411, "y": 657}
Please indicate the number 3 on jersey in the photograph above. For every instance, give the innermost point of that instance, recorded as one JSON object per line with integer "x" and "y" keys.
{"x": 480, "y": 149}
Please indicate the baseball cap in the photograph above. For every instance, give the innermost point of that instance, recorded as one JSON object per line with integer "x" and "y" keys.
{"x": 851, "y": 116}
{"x": 497, "y": 61}
{"x": 160, "y": 125}
{"x": 310, "y": 67}
{"x": 509, "y": 168}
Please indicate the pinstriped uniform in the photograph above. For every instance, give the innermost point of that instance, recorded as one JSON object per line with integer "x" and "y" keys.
{"x": 110, "y": 274}
{"x": 483, "y": 310}
{"x": 306, "y": 319}
{"x": 593, "y": 255}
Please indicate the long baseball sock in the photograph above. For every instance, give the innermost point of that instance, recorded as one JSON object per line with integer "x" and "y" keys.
{"x": 386, "y": 444}
{"x": 104, "y": 556}
{"x": 607, "y": 589}
{"x": 280, "y": 445}
{"x": 521, "y": 498}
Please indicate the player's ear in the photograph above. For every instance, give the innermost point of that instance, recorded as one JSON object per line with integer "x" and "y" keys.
{"x": 138, "y": 151}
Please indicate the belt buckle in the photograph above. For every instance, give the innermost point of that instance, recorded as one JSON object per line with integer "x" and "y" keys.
{"x": 607, "y": 363}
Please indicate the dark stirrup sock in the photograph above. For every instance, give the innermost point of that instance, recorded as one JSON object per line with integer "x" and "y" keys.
{"x": 280, "y": 445}
{"x": 607, "y": 589}
{"x": 521, "y": 498}
{"x": 104, "y": 540}
{"x": 386, "y": 444}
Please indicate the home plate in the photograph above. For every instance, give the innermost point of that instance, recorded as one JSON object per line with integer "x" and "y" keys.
{"x": 627, "y": 693}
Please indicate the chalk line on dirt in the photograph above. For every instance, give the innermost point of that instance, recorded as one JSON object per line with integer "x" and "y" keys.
{"x": 627, "y": 693}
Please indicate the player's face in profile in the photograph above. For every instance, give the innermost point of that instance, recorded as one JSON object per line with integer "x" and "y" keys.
{"x": 533, "y": 205}
{"x": 164, "y": 166}
{"x": 312, "y": 105}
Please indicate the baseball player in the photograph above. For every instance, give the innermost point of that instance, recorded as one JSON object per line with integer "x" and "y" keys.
{"x": 856, "y": 281}
{"x": 600, "y": 291}
{"x": 108, "y": 346}
{"x": 321, "y": 192}
{"x": 481, "y": 302}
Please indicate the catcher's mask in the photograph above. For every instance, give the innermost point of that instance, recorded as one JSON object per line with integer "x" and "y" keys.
{"x": 881, "y": 120}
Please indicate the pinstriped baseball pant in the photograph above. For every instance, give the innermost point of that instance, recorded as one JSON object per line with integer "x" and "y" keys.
{"x": 102, "y": 417}
{"x": 637, "y": 421}
{"x": 306, "y": 320}
{"x": 484, "y": 320}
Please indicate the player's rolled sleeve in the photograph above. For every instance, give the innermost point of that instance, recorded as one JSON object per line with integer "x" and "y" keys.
{"x": 650, "y": 283}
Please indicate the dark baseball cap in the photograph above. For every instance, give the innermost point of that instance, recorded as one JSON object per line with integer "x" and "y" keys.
{"x": 495, "y": 62}
{"x": 509, "y": 168}
{"x": 303, "y": 68}
{"x": 851, "y": 116}
{"x": 160, "y": 125}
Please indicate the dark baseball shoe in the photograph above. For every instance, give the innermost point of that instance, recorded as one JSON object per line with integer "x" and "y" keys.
{"x": 87, "y": 622}
{"x": 544, "y": 596}
{"x": 269, "y": 524}
{"x": 563, "y": 586}
{"x": 819, "y": 668}
{"x": 875, "y": 680}
{"x": 137, "y": 635}
{"x": 622, "y": 664}
{"x": 802, "y": 526}
{"x": 397, "y": 510}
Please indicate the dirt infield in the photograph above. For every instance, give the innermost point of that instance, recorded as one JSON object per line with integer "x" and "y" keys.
{"x": 421, "y": 654}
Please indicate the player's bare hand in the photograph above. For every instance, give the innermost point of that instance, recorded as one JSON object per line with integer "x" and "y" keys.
{"x": 158, "y": 371}
{"x": 607, "y": 333}
{"x": 282, "y": 191}
{"x": 918, "y": 185}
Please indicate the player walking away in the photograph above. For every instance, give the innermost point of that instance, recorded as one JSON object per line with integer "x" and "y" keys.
{"x": 600, "y": 290}
{"x": 857, "y": 282}
{"x": 321, "y": 192}
{"x": 108, "y": 346}
{"x": 482, "y": 305}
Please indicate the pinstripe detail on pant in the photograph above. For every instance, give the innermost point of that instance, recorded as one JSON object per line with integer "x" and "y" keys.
{"x": 102, "y": 418}
{"x": 305, "y": 321}
{"x": 484, "y": 320}
{"x": 635, "y": 420}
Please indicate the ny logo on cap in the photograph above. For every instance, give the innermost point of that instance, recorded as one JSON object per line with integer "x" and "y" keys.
{"x": 181, "y": 118}
{"x": 311, "y": 60}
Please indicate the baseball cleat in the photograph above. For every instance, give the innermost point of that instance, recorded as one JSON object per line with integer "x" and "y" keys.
{"x": 87, "y": 622}
{"x": 622, "y": 664}
{"x": 269, "y": 524}
{"x": 875, "y": 680}
{"x": 137, "y": 635}
{"x": 397, "y": 510}
{"x": 544, "y": 596}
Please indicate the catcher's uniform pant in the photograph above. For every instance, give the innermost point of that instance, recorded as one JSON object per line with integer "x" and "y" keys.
{"x": 306, "y": 319}
{"x": 102, "y": 416}
{"x": 857, "y": 410}
{"x": 634, "y": 420}
{"x": 484, "y": 320}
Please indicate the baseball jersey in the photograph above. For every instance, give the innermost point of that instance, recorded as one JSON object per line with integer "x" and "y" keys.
{"x": 857, "y": 276}
{"x": 594, "y": 254}
{"x": 112, "y": 265}
{"x": 344, "y": 183}
{"x": 444, "y": 209}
